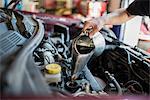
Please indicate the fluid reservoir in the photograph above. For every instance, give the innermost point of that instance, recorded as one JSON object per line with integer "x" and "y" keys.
{"x": 53, "y": 73}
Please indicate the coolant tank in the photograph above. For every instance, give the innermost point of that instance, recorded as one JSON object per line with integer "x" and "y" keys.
{"x": 53, "y": 73}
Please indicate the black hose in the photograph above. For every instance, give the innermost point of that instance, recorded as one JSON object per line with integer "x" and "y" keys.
{"x": 114, "y": 81}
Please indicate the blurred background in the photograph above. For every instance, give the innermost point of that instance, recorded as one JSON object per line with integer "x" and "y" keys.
{"x": 135, "y": 32}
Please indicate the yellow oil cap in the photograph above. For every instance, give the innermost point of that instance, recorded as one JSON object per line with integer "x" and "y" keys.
{"x": 53, "y": 68}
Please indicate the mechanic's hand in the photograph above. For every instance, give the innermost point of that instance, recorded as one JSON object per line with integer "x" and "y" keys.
{"x": 95, "y": 24}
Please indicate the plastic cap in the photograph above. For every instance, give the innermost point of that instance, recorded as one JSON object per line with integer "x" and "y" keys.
{"x": 53, "y": 68}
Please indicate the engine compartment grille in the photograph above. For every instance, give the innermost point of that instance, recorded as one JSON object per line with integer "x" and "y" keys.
{"x": 9, "y": 41}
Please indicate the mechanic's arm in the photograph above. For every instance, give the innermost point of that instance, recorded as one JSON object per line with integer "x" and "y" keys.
{"x": 115, "y": 18}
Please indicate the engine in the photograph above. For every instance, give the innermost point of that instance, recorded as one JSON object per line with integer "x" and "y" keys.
{"x": 42, "y": 62}
{"x": 98, "y": 66}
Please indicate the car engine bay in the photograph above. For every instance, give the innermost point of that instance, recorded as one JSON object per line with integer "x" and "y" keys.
{"x": 41, "y": 59}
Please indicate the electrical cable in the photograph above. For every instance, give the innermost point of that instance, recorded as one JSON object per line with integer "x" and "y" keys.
{"x": 130, "y": 65}
{"x": 132, "y": 83}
